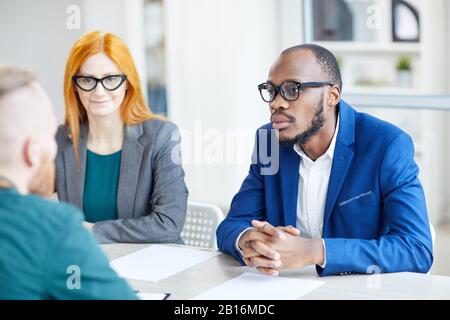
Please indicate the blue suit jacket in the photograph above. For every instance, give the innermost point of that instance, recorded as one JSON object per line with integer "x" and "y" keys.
{"x": 375, "y": 215}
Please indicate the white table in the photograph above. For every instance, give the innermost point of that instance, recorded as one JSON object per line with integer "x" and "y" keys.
{"x": 217, "y": 270}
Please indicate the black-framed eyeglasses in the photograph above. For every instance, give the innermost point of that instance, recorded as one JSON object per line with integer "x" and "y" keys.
{"x": 110, "y": 83}
{"x": 289, "y": 90}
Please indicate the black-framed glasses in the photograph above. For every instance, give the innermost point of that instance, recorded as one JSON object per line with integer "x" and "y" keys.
{"x": 110, "y": 83}
{"x": 289, "y": 90}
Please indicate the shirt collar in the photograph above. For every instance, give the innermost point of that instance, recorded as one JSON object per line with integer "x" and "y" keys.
{"x": 330, "y": 150}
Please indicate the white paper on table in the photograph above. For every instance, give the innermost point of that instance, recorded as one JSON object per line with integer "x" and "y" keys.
{"x": 152, "y": 296}
{"x": 157, "y": 262}
{"x": 254, "y": 286}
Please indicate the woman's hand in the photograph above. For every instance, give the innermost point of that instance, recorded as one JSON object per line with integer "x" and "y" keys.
{"x": 89, "y": 226}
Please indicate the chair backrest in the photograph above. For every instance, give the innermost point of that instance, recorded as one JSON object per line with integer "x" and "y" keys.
{"x": 202, "y": 220}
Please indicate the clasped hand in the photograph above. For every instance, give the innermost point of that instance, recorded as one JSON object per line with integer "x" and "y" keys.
{"x": 270, "y": 249}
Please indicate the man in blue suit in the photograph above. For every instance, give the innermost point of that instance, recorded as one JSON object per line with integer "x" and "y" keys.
{"x": 346, "y": 180}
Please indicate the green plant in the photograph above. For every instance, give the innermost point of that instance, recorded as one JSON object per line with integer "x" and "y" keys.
{"x": 404, "y": 63}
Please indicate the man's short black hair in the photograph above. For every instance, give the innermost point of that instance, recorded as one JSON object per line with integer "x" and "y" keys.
{"x": 326, "y": 60}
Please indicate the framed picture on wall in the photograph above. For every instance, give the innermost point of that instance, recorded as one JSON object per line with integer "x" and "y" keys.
{"x": 405, "y": 21}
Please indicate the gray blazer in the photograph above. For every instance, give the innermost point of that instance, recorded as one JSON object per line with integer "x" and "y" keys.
{"x": 152, "y": 195}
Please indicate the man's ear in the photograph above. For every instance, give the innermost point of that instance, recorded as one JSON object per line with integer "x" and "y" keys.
{"x": 31, "y": 152}
{"x": 334, "y": 96}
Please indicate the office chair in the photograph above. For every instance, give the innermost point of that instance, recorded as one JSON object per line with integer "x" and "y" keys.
{"x": 202, "y": 220}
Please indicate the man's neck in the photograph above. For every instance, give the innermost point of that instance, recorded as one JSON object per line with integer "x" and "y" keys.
{"x": 12, "y": 179}
{"x": 320, "y": 142}
{"x": 105, "y": 134}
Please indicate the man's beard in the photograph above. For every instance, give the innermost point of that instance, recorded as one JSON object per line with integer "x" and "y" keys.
{"x": 305, "y": 136}
{"x": 42, "y": 181}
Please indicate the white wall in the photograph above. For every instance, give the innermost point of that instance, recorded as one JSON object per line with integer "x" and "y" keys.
{"x": 217, "y": 53}
{"x": 124, "y": 18}
{"x": 434, "y": 56}
{"x": 34, "y": 34}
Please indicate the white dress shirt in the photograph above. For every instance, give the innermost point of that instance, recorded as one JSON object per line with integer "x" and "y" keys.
{"x": 312, "y": 192}
{"x": 312, "y": 189}
{"x": 314, "y": 177}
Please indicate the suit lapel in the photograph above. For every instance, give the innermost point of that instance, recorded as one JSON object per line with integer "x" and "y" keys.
{"x": 132, "y": 153}
{"x": 75, "y": 171}
{"x": 289, "y": 171}
{"x": 342, "y": 158}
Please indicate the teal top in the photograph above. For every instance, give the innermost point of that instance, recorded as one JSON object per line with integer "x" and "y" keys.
{"x": 46, "y": 253}
{"x": 100, "y": 186}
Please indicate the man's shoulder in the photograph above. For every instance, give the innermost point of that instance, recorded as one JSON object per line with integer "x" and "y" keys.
{"x": 376, "y": 126}
{"x": 370, "y": 129}
{"x": 46, "y": 215}
{"x": 31, "y": 229}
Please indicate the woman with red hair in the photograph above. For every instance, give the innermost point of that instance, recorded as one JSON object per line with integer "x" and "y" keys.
{"x": 116, "y": 160}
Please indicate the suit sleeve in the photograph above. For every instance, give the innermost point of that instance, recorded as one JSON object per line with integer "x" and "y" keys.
{"x": 168, "y": 201}
{"x": 78, "y": 269}
{"x": 407, "y": 246}
{"x": 248, "y": 204}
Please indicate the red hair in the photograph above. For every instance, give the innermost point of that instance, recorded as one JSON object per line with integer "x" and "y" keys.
{"x": 133, "y": 110}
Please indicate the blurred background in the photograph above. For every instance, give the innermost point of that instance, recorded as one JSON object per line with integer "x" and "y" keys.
{"x": 200, "y": 62}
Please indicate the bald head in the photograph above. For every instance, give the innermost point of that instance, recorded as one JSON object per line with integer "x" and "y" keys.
{"x": 26, "y": 117}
